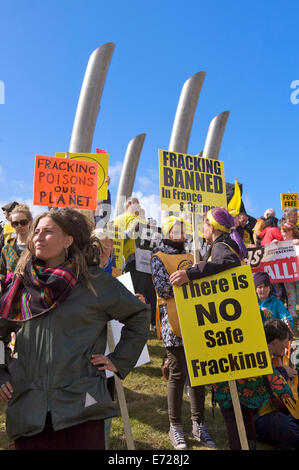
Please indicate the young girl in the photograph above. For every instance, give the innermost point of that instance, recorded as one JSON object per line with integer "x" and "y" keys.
{"x": 270, "y": 305}
{"x": 290, "y": 231}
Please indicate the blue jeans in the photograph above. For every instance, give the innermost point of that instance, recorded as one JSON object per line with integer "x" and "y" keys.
{"x": 278, "y": 429}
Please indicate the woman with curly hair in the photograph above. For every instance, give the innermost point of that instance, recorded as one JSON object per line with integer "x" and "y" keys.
{"x": 58, "y": 304}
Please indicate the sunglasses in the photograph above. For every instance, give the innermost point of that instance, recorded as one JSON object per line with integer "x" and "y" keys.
{"x": 22, "y": 222}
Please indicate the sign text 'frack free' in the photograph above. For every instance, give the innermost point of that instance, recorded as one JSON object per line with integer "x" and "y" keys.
{"x": 222, "y": 328}
{"x": 61, "y": 182}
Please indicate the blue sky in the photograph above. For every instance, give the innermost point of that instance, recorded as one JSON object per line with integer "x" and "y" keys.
{"x": 249, "y": 51}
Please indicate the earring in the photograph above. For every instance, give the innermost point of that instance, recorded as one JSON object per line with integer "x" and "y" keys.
{"x": 66, "y": 254}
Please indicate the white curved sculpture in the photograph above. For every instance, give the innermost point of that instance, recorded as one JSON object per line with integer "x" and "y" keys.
{"x": 184, "y": 116}
{"x": 89, "y": 99}
{"x": 128, "y": 172}
{"x": 215, "y": 135}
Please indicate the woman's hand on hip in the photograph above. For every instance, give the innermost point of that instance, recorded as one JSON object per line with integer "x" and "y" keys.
{"x": 6, "y": 391}
{"x": 104, "y": 361}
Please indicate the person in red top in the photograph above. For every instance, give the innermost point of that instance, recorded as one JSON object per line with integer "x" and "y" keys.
{"x": 271, "y": 232}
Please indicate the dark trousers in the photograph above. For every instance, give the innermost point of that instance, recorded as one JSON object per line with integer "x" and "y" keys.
{"x": 89, "y": 435}
{"x": 232, "y": 430}
{"x": 278, "y": 429}
{"x": 177, "y": 378}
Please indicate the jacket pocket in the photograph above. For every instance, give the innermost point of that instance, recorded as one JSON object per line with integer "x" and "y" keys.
{"x": 84, "y": 399}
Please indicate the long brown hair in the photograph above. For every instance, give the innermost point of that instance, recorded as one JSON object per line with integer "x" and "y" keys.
{"x": 81, "y": 252}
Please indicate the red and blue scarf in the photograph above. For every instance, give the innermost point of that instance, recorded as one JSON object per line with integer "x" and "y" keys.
{"x": 41, "y": 289}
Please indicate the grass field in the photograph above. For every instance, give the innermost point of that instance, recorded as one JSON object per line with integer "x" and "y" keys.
{"x": 145, "y": 391}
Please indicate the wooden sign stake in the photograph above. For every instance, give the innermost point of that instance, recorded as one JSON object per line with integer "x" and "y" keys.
{"x": 121, "y": 398}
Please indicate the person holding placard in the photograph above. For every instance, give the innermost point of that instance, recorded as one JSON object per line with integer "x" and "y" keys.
{"x": 166, "y": 258}
{"x": 59, "y": 303}
{"x": 128, "y": 225}
{"x": 226, "y": 251}
{"x": 226, "y": 248}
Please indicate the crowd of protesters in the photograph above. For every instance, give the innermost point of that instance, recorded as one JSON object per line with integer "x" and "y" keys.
{"x": 59, "y": 290}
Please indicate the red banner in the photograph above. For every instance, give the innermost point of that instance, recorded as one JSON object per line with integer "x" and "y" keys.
{"x": 280, "y": 260}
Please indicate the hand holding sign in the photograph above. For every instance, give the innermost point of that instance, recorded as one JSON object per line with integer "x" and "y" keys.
{"x": 179, "y": 278}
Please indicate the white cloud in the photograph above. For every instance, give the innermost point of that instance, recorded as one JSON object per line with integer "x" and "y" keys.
{"x": 144, "y": 181}
{"x": 114, "y": 173}
{"x": 151, "y": 205}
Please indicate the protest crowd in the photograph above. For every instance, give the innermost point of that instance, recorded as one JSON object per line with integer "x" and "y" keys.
{"x": 59, "y": 291}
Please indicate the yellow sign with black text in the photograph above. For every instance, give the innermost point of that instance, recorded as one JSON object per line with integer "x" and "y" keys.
{"x": 102, "y": 161}
{"x": 189, "y": 183}
{"x": 222, "y": 328}
{"x": 289, "y": 200}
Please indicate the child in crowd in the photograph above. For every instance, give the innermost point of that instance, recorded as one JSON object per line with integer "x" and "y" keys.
{"x": 270, "y": 305}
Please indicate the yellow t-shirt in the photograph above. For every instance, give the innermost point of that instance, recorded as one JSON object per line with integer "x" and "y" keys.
{"x": 123, "y": 223}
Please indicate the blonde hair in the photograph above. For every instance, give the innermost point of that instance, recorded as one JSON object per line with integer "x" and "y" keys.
{"x": 287, "y": 227}
{"x": 23, "y": 209}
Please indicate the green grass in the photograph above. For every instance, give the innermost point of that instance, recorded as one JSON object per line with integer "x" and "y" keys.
{"x": 146, "y": 397}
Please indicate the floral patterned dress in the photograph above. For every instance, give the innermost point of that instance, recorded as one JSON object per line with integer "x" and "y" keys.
{"x": 254, "y": 392}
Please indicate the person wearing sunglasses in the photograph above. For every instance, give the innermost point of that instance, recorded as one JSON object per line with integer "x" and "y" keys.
{"x": 20, "y": 219}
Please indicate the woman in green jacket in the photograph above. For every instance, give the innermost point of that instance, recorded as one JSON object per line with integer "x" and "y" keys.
{"x": 59, "y": 303}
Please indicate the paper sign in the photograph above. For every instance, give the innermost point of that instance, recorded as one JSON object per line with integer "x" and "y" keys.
{"x": 60, "y": 182}
{"x": 222, "y": 328}
{"x": 149, "y": 237}
{"x": 189, "y": 183}
{"x": 116, "y": 326}
{"x": 289, "y": 200}
{"x": 102, "y": 161}
{"x": 280, "y": 260}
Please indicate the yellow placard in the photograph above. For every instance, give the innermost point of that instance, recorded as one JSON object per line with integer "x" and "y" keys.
{"x": 289, "y": 200}
{"x": 117, "y": 235}
{"x": 189, "y": 183}
{"x": 102, "y": 160}
{"x": 222, "y": 328}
